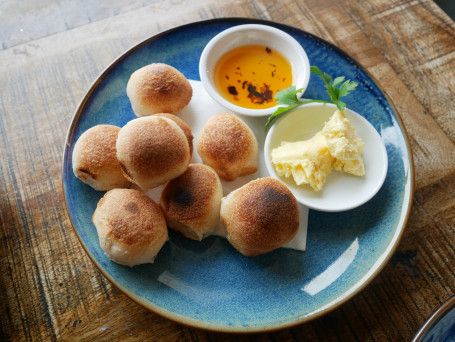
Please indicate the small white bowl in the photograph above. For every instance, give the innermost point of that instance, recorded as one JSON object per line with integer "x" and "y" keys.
{"x": 341, "y": 191}
{"x": 252, "y": 34}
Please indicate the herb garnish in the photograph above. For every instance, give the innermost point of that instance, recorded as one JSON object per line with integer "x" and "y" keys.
{"x": 289, "y": 96}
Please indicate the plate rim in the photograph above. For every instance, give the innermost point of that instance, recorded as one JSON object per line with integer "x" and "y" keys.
{"x": 338, "y": 302}
{"x": 433, "y": 320}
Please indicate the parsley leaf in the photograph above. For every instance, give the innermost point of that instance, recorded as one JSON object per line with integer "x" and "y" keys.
{"x": 331, "y": 86}
{"x": 347, "y": 87}
{"x": 289, "y": 96}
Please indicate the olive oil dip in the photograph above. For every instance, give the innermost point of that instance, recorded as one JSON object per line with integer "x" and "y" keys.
{"x": 249, "y": 76}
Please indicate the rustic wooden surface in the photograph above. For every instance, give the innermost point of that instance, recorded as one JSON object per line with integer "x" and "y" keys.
{"x": 52, "y": 51}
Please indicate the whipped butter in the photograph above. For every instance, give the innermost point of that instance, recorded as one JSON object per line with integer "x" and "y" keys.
{"x": 309, "y": 162}
{"x": 344, "y": 145}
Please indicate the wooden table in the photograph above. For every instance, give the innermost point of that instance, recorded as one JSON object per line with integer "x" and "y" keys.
{"x": 52, "y": 52}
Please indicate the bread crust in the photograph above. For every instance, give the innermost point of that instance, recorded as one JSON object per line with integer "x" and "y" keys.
{"x": 261, "y": 216}
{"x": 131, "y": 226}
{"x": 94, "y": 159}
{"x": 191, "y": 203}
{"x": 152, "y": 150}
{"x": 158, "y": 88}
{"x": 183, "y": 125}
{"x": 228, "y": 145}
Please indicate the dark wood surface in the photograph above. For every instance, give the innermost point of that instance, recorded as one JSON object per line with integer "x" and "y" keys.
{"x": 52, "y": 51}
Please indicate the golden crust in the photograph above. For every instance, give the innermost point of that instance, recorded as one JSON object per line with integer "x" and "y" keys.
{"x": 132, "y": 217}
{"x": 261, "y": 216}
{"x": 131, "y": 226}
{"x": 228, "y": 145}
{"x": 95, "y": 161}
{"x": 191, "y": 203}
{"x": 152, "y": 150}
{"x": 158, "y": 88}
{"x": 183, "y": 125}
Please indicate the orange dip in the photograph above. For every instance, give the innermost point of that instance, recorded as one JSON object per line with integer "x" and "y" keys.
{"x": 249, "y": 76}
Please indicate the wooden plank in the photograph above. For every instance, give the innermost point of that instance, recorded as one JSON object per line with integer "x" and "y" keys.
{"x": 18, "y": 22}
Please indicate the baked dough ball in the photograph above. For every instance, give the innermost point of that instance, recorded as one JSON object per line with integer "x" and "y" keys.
{"x": 158, "y": 88}
{"x": 261, "y": 216}
{"x": 131, "y": 226}
{"x": 152, "y": 150}
{"x": 94, "y": 159}
{"x": 183, "y": 125}
{"x": 228, "y": 145}
{"x": 191, "y": 203}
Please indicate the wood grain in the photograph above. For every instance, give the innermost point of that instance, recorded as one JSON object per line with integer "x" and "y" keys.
{"x": 52, "y": 291}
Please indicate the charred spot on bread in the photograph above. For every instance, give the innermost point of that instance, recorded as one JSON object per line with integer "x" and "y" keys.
{"x": 131, "y": 207}
{"x": 191, "y": 202}
{"x": 183, "y": 197}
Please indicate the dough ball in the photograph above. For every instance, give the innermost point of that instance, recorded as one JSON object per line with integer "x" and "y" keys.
{"x": 94, "y": 159}
{"x": 131, "y": 227}
{"x": 152, "y": 150}
{"x": 260, "y": 217}
{"x": 191, "y": 203}
{"x": 158, "y": 88}
{"x": 229, "y": 146}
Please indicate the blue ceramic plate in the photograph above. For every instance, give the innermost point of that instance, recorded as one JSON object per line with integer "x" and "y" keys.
{"x": 208, "y": 284}
{"x": 440, "y": 326}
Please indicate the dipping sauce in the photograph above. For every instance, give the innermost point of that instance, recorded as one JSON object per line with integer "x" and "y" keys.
{"x": 249, "y": 76}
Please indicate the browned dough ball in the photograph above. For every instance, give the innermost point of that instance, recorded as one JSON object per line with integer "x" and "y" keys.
{"x": 94, "y": 159}
{"x": 158, "y": 88}
{"x": 191, "y": 203}
{"x": 228, "y": 145}
{"x": 260, "y": 217}
{"x": 131, "y": 227}
{"x": 152, "y": 150}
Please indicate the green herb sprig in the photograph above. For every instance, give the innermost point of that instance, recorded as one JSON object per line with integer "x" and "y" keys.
{"x": 288, "y": 97}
